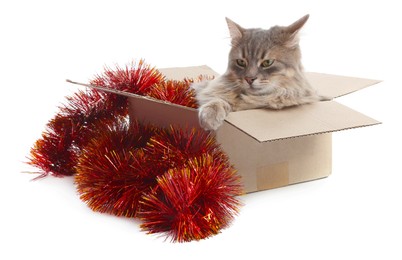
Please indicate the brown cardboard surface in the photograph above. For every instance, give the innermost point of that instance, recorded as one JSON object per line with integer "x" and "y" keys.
{"x": 162, "y": 114}
{"x": 278, "y": 163}
{"x": 267, "y": 125}
{"x": 336, "y": 86}
{"x": 273, "y": 176}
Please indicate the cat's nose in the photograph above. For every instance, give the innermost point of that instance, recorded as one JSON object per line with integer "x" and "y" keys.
{"x": 250, "y": 80}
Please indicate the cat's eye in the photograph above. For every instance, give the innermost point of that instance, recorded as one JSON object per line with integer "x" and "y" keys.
{"x": 267, "y": 63}
{"x": 241, "y": 63}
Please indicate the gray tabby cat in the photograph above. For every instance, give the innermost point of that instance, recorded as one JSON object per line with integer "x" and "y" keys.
{"x": 264, "y": 71}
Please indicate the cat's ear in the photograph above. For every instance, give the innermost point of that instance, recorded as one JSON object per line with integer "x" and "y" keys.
{"x": 235, "y": 30}
{"x": 296, "y": 26}
{"x": 293, "y": 30}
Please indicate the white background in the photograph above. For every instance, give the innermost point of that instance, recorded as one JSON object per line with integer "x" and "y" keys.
{"x": 353, "y": 214}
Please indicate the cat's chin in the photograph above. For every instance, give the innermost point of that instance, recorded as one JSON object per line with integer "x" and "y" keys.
{"x": 257, "y": 90}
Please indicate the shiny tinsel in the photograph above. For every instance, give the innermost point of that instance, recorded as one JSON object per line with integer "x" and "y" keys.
{"x": 176, "y": 92}
{"x": 57, "y": 151}
{"x": 177, "y": 181}
{"x": 113, "y": 170}
{"x": 192, "y": 202}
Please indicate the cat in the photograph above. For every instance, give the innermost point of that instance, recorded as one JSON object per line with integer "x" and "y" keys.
{"x": 264, "y": 71}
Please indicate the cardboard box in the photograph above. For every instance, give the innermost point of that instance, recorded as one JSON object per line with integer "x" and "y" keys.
{"x": 269, "y": 148}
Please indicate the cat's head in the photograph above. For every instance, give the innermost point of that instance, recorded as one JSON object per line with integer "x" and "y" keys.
{"x": 260, "y": 60}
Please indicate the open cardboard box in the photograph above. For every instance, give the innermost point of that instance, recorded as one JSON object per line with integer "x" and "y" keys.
{"x": 269, "y": 148}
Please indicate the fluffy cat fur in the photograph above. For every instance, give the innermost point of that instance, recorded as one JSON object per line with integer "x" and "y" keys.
{"x": 264, "y": 71}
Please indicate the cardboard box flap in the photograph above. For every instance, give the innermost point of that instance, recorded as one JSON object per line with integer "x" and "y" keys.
{"x": 162, "y": 114}
{"x": 335, "y": 86}
{"x": 154, "y": 111}
{"x": 322, "y": 117}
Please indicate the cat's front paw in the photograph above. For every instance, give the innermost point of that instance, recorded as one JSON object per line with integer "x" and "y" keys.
{"x": 213, "y": 113}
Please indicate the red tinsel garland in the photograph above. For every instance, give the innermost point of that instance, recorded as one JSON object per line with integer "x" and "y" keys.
{"x": 134, "y": 78}
{"x": 177, "y": 181}
{"x": 57, "y": 151}
{"x": 176, "y": 92}
{"x": 192, "y": 202}
{"x": 112, "y": 171}
{"x": 172, "y": 147}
